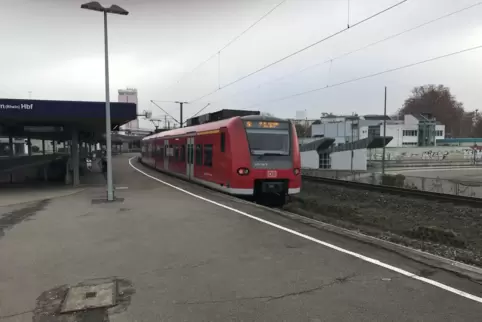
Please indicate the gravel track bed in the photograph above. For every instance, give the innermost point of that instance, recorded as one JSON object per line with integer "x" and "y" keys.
{"x": 441, "y": 228}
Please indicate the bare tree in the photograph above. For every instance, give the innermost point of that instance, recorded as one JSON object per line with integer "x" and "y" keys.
{"x": 477, "y": 132}
{"x": 438, "y": 101}
{"x": 303, "y": 130}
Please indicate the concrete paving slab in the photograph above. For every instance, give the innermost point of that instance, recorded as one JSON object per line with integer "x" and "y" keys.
{"x": 22, "y": 317}
{"x": 184, "y": 259}
{"x": 91, "y": 296}
{"x": 12, "y": 196}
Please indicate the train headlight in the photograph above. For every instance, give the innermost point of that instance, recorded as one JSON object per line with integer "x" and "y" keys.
{"x": 243, "y": 171}
{"x": 296, "y": 171}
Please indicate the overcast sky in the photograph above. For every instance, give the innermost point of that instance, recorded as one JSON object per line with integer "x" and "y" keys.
{"x": 54, "y": 50}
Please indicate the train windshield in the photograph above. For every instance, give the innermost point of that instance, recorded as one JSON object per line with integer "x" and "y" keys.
{"x": 268, "y": 141}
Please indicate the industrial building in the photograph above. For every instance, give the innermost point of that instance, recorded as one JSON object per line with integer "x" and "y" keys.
{"x": 322, "y": 153}
{"x": 413, "y": 131}
{"x": 353, "y": 142}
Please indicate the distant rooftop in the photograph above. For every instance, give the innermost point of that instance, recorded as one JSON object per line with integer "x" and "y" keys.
{"x": 331, "y": 116}
{"x": 374, "y": 117}
{"x": 357, "y": 117}
{"x": 219, "y": 115}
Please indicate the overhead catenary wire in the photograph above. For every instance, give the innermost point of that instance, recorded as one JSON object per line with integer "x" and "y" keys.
{"x": 368, "y": 76}
{"x": 348, "y": 15}
{"x": 300, "y": 50}
{"x": 219, "y": 69}
{"x": 197, "y": 113}
{"x": 218, "y": 52}
{"x": 331, "y": 60}
{"x": 170, "y": 110}
{"x": 153, "y": 102}
{"x": 161, "y": 101}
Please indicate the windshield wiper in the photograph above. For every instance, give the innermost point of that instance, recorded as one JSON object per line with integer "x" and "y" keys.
{"x": 261, "y": 155}
{"x": 273, "y": 154}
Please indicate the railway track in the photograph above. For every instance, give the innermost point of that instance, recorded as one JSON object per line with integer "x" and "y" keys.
{"x": 463, "y": 200}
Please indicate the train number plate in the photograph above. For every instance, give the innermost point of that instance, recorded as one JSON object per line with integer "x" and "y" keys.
{"x": 272, "y": 173}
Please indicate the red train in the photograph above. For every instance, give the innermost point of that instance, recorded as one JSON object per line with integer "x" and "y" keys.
{"x": 244, "y": 156}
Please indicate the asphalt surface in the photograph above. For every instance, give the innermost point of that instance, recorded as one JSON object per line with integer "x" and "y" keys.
{"x": 184, "y": 259}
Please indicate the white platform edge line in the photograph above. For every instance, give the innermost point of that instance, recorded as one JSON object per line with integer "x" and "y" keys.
{"x": 334, "y": 247}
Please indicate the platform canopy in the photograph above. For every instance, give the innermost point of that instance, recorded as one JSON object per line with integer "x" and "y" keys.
{"x": 317, "y": 145}
{"x": 46, "y": 119}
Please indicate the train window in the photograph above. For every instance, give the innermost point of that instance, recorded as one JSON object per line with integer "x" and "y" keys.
{"x": 268, "y": 141}
{"x": 176, "y": 153}
{"x": 199, "y": 154}
{"x": 170, "y": 151}
{"x": 183, "y": 153}
{"x": 161, "y": 153}
{"x": 208, "y": 155}
{"x": 223, "y": 142}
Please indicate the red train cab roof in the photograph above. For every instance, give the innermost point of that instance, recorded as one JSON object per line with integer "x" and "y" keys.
{"x": 211, "y": 126}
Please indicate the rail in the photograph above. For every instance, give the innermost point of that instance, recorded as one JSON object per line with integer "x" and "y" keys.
{"x": 461, "y": 199}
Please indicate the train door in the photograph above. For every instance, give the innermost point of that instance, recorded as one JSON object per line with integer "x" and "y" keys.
{"x": 190, "y": 158}
{"x": 166, "y": 154}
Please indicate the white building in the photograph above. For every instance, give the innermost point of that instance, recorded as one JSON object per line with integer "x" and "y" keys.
{"x": 129, "y": 95}
{"x": 347, "y": 128}
{"x": 412, "y": 131}
{"x": 409, "y": 132}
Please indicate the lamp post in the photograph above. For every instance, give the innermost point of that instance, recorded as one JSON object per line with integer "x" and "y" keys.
{"x": 114, "y": 9}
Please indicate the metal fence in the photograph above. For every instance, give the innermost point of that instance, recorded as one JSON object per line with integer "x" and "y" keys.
{"x": 438, "y": 185}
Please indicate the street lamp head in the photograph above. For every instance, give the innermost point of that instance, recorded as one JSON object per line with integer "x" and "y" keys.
{"x": 117, "y": 10}
{"x": 94, "y": 5}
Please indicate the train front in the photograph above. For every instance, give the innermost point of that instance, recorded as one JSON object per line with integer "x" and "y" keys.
{"x": 275, "y": 156}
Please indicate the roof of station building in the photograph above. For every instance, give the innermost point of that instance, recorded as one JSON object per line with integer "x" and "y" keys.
{"x": 19, "y": 116}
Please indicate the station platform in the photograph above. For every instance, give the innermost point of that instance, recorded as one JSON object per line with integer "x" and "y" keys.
{"x": 45, "y": 124}
{"x": 181, "y": 252}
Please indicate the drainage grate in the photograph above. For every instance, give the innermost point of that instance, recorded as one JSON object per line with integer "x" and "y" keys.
{"x": 89, "y": 297}
{"x": 104, "y": 200}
